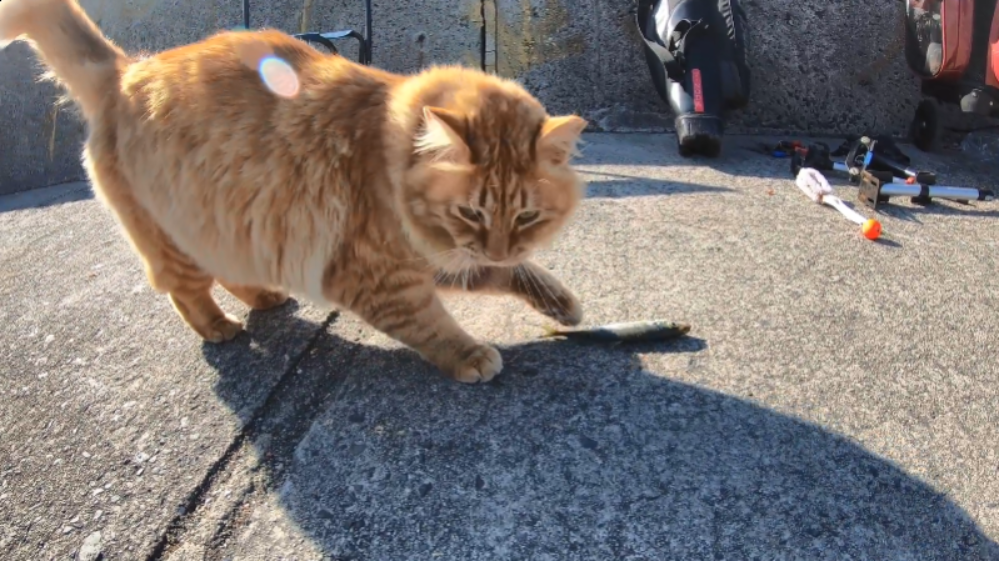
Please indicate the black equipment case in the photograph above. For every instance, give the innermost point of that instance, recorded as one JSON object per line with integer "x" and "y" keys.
{"x": 696, "y": 52}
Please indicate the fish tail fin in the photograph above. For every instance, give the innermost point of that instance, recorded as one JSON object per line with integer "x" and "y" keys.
{"x": 550, "y": 331}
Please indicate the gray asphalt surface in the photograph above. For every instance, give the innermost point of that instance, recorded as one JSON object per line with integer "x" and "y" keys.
{"x": 837, "y": 399}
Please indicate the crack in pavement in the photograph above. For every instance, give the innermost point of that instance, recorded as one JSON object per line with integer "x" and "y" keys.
{"x": 239, "y": 447}
{"x": 290, "y": 415}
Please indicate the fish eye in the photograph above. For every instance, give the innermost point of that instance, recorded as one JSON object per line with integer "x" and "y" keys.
{"x": 526, "y": 217}
{"x": 470, "y": 214}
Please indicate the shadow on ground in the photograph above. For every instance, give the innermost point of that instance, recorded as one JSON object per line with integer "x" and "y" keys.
{"x": 574, "y": 452}
{"x": 616, "y": 186}
{"x": 46, "y": 197}
{"x": 618, "y": 165}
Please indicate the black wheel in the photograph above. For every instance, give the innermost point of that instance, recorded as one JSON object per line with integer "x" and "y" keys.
{"x": 925, "y": 125}
{"x": 712, "y": 149}
{"x": 685, "y": 149}
{"x": 700, "y": 145}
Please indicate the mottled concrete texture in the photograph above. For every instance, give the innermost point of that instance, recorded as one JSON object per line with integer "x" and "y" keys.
{"x": 39, "y": 142}
{"x": 837, "y": 399}
{"x": 581, "y": 56}
{"x": 585, "y": 55}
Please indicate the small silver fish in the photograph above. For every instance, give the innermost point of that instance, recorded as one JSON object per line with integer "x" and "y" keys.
{"x": 637, "y": 331}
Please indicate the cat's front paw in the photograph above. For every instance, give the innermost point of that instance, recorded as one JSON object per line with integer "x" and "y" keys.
{"x": 480, "y": 365}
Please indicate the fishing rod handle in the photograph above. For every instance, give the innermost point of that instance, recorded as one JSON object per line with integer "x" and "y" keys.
{"x": 839, "y": 205}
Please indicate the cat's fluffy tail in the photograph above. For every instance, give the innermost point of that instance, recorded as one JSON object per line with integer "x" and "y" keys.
{"x": 77, "y": 54}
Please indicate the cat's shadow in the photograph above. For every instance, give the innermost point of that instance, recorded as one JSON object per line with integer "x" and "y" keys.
{"x": 575, "y": 451}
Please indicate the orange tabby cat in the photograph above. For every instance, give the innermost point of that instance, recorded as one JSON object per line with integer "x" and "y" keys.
{"x": 359, "y": 187}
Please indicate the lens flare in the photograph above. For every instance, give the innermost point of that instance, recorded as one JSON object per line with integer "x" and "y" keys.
{"x": 278, "y": 76}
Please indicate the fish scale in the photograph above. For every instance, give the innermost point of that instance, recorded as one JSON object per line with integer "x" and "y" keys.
{"x": 637, "y": 331}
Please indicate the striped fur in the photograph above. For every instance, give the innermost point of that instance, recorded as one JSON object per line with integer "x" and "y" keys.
{"x": 365, "y": 189}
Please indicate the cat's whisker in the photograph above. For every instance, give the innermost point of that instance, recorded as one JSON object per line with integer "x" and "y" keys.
{"x": 434, "y": 262}
{"x": 549, "y": 290}
{"x": 528, "y": 282}
{"x": 445, "y": 271}
{"x": 450, "y": 260}
{"x": 456, "y": 280}
{"x": 454, "y": 265}
{"x": 466, "y": 267}
{"x": 462, "y": 261}
{"x": 542, "y": 289}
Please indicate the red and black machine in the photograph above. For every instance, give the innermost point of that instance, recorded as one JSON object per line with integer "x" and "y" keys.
{"x": 696, "y": 53}
{"x": 953, "y": 47}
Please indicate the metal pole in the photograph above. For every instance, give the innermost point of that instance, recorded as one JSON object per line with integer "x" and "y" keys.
{"x": 367, "y": 29}
{"x": 246, "y": 14}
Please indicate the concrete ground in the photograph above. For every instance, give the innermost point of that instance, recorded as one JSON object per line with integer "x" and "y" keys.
{"x": 837, "y": 399}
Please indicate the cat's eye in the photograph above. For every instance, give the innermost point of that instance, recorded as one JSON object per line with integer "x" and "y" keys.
{"x": 526, "y": 217}
{"x": 470, "y": 214}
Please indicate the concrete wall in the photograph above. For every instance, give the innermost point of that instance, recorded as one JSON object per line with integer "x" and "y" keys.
{"x": 582, "y": 56}
{"x": 585, "y": 55}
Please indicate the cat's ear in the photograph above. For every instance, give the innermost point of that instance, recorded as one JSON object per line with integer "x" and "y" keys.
{"x": 443, "y": 137}
{"x": 559, "y": 138}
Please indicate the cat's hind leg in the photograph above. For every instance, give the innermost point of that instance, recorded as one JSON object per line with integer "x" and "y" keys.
{"x": 167, "y": 268}
{"x": 195, "y": 304}
{"x": 188, "y": 286}
{"x": 255, "y": 297}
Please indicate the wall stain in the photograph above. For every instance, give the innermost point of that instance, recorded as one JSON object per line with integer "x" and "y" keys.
{"x": 306, "y": 16}
{"x": 128, "y": 10}
{"x": 470, "y": 59}
{"x": 54, "y": 117}
{"x": 475, "y": 12}
{"x": 528, "y": 36}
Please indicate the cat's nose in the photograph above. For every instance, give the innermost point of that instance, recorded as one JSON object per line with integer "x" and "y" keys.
{"x": 496, "y": 249}
{"x": 496, "y": 254}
